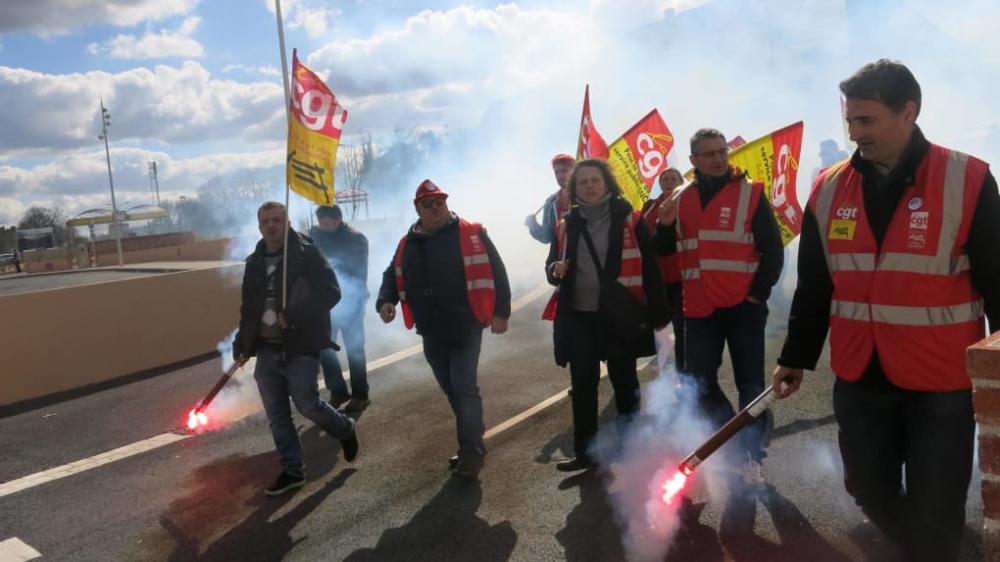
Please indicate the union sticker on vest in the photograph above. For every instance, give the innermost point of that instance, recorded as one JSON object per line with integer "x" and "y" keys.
{"x": 919, "y": 220}
{"x": 842, "y": 229}
{"x": 724, "y": 215}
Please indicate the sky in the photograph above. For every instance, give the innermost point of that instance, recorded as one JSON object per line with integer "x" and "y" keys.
{"x": 195, "y": 85}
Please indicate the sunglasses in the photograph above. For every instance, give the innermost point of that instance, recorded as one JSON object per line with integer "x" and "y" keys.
{"x": 431, "y": 202}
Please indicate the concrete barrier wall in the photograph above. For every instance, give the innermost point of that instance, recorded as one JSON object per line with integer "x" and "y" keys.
{"x": 212, "y": 250}
{"x": 62, "y": 339}
{"x": 984, "y": 368}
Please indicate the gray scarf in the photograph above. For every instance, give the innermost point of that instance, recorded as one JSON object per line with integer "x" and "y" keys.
{"x": 587, "y": 284}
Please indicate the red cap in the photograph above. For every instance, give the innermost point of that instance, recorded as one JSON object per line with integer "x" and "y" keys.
{"x": 428, "y": 188}
{"x": 563, "y": 157}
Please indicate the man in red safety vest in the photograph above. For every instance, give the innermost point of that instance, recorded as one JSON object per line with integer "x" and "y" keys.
{"x": 898, "y": 261}
{"x": 723, "y": 229}
{"x": 451, "y": 283}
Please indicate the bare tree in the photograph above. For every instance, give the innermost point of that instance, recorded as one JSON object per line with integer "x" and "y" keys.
{"x": 41, "y": 217}
{"x": 355, "y": 163}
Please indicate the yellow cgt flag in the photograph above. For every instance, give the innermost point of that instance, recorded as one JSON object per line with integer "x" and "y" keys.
{"x": 314, "y": 127}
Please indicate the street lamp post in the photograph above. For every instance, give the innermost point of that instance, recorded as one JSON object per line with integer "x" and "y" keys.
{"x": 105, "y": 123}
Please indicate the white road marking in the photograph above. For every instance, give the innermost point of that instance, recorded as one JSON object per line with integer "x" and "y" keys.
{"x": 504, "y": 426}
{"x": 72, "y": 468}
{"x": 139, "y": 447}
{"x": 16, "y": 550}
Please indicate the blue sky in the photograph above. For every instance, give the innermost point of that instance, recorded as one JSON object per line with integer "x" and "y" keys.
{"x": 195, "y": 84}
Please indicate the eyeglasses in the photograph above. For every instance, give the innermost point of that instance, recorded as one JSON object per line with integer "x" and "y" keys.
{"x": 431, "y": 202}
{"x": 721, "y": 153}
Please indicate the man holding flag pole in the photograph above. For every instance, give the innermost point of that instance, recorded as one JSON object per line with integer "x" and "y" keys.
{"x": 287, "y": 335}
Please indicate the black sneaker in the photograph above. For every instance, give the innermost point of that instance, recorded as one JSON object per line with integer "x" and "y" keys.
{"x": 337, "y": 400}
{"x": 575, "y": 464}
{"x": 452, "y": 462}
{"x": 350, "y": 445}
{"x": 285, "y": 482}
{"x": 356, "y": 404}
{"x": 467, "y": 469}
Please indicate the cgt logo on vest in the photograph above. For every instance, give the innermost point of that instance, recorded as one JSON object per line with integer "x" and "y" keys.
{"x": 847, "y": 213}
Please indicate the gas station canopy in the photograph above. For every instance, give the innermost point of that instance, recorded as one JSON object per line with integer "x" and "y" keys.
{"x": 104, "y": 216}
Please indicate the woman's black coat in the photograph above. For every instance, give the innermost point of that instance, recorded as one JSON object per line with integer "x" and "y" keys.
{"x": 652, "y": 284}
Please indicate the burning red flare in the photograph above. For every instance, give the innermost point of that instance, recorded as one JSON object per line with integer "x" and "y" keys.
{"x": 196, "y": 418}
{"x": 674, "y": 486}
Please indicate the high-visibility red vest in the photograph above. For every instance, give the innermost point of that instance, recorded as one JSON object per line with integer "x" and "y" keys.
{"x": 669, "y": 265}
{"x": 631, "y": 269}
{"x": 716, "y": 246}
{"x": 479, "y": 287}
{"x": 912, "y": 298}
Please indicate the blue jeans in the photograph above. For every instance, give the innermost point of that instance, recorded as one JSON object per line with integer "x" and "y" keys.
{"x": 352, "y": 326}
{"x": 741, "y": 327}
{"x": 455, "y": 369}
{"x": 279, "y": 378}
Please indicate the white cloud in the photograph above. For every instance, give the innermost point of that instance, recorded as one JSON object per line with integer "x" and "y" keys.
{"x": 78, "y": 179}
{"x": 152, "y": 45}
{"x": 310, "y": 15}
{"x": 11, "y": 210}
{"x": 44, "y": 112}
{"x": 263, "y": 69}
{"x": 314, "y": 20}
{"x": 51, "y": 17}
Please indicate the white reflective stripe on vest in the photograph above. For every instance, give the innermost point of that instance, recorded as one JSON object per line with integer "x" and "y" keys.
{"x": 479, "y": 284}
{"x": 954, "y": 195}
{"x": 824, "y": 201}
{"x": 727, "y": 265}
{"x": 929, "y": 265}
{"x": 690, "y": 274}
{"x": 743, "y": 207}
{"x": 908, "y": 315}
{"x": 850, "y": 310}
{"x": 928, "y": 316}
{"x": 851, "y": 262}
{"x": 476, "y": 259}
{"x": 634, "y": 281}
{"x": 630, "y": 253}
{"x": 726, "y": 236}
{"x": 689, "y": 244}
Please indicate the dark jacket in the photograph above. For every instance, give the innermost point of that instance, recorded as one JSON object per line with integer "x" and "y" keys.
{"x": 434, "y": 273}
{"x": 313, "y": 292}
{"x": 652, "y": 283}
{"x": 763, "y": 225}
{"x": 809, "y": 319}
{"x": 347, "y": 251}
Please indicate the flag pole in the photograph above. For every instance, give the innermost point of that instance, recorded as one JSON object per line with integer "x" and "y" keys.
{"x": 288, "y": 117}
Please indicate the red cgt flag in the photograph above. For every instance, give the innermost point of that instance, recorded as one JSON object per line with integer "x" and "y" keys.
{"x": 590, "y": 143}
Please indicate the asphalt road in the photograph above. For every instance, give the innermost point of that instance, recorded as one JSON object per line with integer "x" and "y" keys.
{"x": 201, "y": 498}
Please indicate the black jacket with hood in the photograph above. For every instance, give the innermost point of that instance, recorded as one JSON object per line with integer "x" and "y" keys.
{"x": 313, "y": 292}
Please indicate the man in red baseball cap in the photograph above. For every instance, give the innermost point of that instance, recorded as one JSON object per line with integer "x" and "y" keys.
{"x": 451, "y": 283}
{"x": 556, "y": 205}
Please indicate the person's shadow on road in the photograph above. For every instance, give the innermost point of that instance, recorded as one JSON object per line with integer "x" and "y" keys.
{"x": 220, "y": 489}
{"x": 447, "y": 528}
{"x": 591, "y": 533}
{"x": 799, "y": 540}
